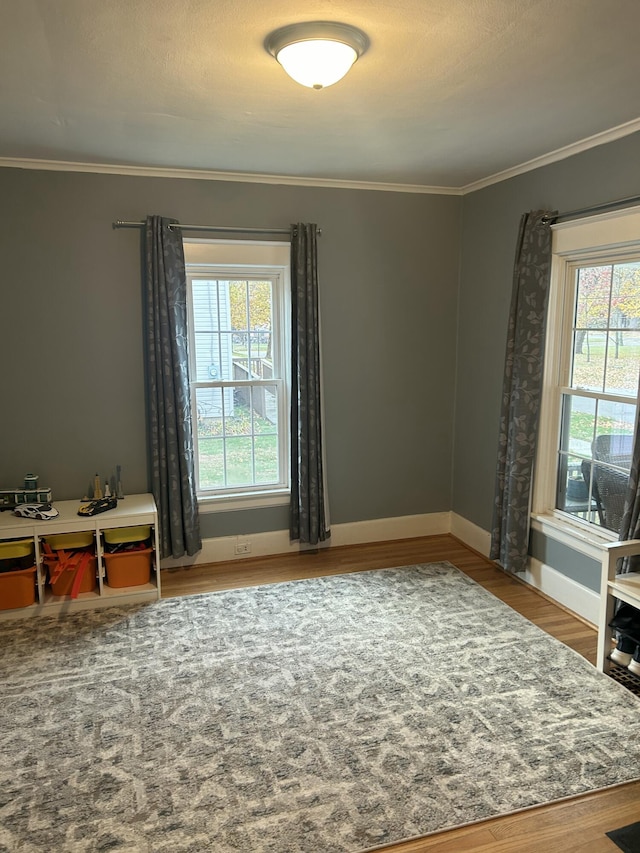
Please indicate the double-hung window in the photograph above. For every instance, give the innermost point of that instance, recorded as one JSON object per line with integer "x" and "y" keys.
{"x": 238, "y": 344}
{"x": 592, "y": 371}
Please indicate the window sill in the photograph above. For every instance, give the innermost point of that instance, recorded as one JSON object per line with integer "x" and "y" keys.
{"x": 250, "y": 500}
{"x": 576, "y": 536}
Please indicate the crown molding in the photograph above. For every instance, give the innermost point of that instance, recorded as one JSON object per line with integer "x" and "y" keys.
{"x": 563, "y": 153}
{"x": 210, "y": 175}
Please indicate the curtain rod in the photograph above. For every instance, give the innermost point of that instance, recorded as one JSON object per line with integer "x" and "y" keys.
{"x": 119, "y": 223}
{"x": 632, "y": 199}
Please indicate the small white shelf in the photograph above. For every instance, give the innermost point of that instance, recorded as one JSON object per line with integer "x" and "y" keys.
{"x": 625, "y": 587}
{"x": 51, "y": 600}
{"x": 138, "y": 591}
{"x": 628, "y": 584}
{"x": 131, "y": 511}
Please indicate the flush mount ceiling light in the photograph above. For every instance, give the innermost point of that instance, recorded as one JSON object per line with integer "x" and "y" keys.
{"x": 317, "y": 53}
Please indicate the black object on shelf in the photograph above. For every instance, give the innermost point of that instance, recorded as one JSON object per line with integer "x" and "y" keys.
{"x": 97, "y": 506}
{"x": 627, "y": 622}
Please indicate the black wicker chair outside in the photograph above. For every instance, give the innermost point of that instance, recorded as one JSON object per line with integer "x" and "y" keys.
{"x": 609, "y": 486}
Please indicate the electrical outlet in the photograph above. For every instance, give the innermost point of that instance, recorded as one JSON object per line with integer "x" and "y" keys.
{"x": 243, "y": 548}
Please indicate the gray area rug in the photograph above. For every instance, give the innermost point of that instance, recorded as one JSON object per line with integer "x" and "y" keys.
{"x": 330, "y": 715}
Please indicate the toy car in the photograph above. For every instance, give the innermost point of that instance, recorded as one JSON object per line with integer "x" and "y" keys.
{"x": 99, "y": 505}
{"x": 41, "y": 512}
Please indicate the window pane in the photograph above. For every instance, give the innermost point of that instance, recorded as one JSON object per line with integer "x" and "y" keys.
{"x": 626, "y": 294}
{"x": 239, "y": 307}
{"x": 574, "y": 488}
{"x": 596, "y": 439}
{"x": 237, "y": 419}
{"x": 251, "y": 312}
{"x": 611, "y": 453}
{"x": 578, "y": 424}
{"x": 210, "y": 361}
{"x": 211, "y": 316}
{"x": 210, "y": 306}
{"x": 589, "y": 356}
{"x": 593, "y": 297}
{"x": 267, "y": 467}
{"x": 623, "y": 362}
{"x": 615, "y": 419}
{"x": 239, "y": 461}
{"x": 209, "y": 409}
{"x": 210, "y": 462}
{"x": 592, "y": 319}
{"x": 260, "y": 316}
{"x": 226, "y": 371}
{"x": 266, "y": 446}
{"x": 266, "y": 409}
{"x": 606, "y": 343}
{"x": 576, "y": 437}
{"x": 238, "y": 436}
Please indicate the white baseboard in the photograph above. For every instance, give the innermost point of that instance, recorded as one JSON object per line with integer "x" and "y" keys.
{"x": 353, "y": 533}
{"x": 571, "y": 594}
{"x": 472, "y": 535}
{"x": 548, "y": 580}
{"x": 387, "y": 529}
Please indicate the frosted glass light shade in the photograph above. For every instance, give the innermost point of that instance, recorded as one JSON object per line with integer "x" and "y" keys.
{"x": 317, "y": 63}
{"x": 317, "y": 54}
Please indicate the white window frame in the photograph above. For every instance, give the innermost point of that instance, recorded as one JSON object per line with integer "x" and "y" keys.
{"x": 599, "y": 239}
{"x": 248, "y": 259}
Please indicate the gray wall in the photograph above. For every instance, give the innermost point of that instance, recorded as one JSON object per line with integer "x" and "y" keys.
{"x": 489, "y": 230}
{"x": 72, "y": 376}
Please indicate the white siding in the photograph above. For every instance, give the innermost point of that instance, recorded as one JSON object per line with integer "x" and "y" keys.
{"x": 213, "y": 344}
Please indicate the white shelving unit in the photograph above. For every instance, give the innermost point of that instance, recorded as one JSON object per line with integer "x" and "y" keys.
{"x": 623, "y": 587}
{"x": 132, "y": 511}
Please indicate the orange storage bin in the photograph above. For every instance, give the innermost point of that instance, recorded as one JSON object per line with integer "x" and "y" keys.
{"x": 128, "y": 568}
{"x": 18, "y": 589}
{"x": 62, "y": 586}
{"x": 65, "y": 566}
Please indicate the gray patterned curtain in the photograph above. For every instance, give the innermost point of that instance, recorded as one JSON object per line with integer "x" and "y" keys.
{"x": 169, "y": 409}
{"x": 521, "y": 392}
{"x": 309, "y": 515}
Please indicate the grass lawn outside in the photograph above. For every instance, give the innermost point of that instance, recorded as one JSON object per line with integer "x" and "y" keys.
{"x": 590, "y": 370}
{"x": 622, "y": 370}
{"x": 240, "y": 451}
{"x": 245, "y": 441}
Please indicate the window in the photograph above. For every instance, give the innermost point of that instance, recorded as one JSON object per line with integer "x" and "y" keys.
{"x": 238, "y": 330}
{"x": 592, "y": 372}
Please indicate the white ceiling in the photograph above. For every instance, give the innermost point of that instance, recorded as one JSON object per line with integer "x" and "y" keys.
{"x": 449, "y": 93}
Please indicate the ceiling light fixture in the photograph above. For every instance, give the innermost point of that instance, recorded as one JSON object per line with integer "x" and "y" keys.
{"x": 317, "y": 53}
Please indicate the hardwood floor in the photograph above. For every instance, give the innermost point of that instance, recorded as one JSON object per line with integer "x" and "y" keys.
{"x": 574, "y": 826}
